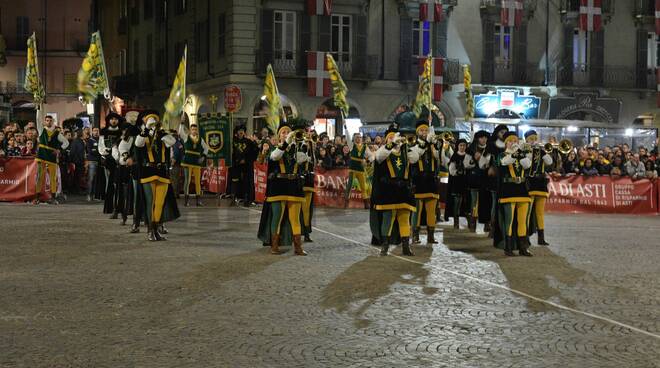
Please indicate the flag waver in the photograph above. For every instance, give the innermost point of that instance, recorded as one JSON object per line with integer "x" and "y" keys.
{"x": 32, "y": 80}
{"x": 590, "y": 15}
{"x": 469, "y": 99}
{"x": 339, "y": 89}
{"x": 177, "y": 98}
{"x": 430, "y": 11}
{"x": 424, "y": 94}
{"x": 273, "y": 99}
{"x": 92, "y": 76}
{"x": 511, "y": 13}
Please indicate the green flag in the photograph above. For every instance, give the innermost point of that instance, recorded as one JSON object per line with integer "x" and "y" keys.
{"x": 424, "y": 93}
{"x": 339, "y": 89}
{"x": 177, "y": 98}
{"x": 32, "y": 80}
{"x": 273, "y": 99}
{"x": 92, "y": 76}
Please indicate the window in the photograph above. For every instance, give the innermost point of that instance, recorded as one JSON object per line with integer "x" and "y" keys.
{"x": 503, "y": 45}
{"x": 284, "y": 37}
{"x": 580, "y": 50}
{"x": 653, "y": 56}
{"x": 122, "y": 62}
{"x": 181, "y": 6}
{"x": 136, "y": 56}
{"x": 201, "y": 41}
{"x": 340, "y": 37}
{"x": 22, "y": 32}
{"x": 123, "y": 8}
{"x": 222, "y": 35}
{"x": 70, "y": 83}
{"x": 421, "y": 38}
{"x": 149, "y": 51}
{"x": 135, "y": 12}
{"x": 20, "y": 79}
{"x": 148, "y": 9}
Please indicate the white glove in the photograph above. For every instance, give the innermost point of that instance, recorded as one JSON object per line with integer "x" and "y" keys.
{"x": 431, "y": 138}
{"x": 290, "y": 137}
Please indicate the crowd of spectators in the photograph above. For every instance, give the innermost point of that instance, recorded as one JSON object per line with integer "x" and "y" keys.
{"x": 615, "y": 161}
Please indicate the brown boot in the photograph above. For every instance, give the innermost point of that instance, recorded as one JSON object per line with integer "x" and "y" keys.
{"x": 541, "y": 237}
{"x": 297, "y": 246}
{"x": 415, "y": 236}
{"x": 523, "y": 246}
{"x": 430, "y": 238}
{"x": 275, "y": 245}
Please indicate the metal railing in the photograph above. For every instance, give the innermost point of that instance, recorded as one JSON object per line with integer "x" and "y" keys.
{"x": 294, "y": 64}
{"x": 611, "y": 76}
{"x": 509, "y": 73}
{"x": 573, "y": 6}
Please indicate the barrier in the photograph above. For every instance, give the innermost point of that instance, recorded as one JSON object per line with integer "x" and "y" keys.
{"x": 18, "y": 179}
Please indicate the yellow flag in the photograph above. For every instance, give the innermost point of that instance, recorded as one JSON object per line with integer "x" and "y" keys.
{"x": 273, "y": 99}
{"x": 339, "y": 89}
{"x": 469, "y": 99}
{"x": 32, "y": 80}
{"x": 424, "y": 96}
{"x": 177, "y": 98}
{"x": 92, "y": 76}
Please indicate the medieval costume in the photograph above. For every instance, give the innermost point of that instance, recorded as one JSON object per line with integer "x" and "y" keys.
{"x": 123, "y": 157}
{"x": 513, "y": 196}
{"x": 490, "y": 163}
{"x": 51, "y": 140}
{"x": 458, "y": 189}
{"x": 281, "y": 214}
{"x": 537, "y": 182}
{"x": 307, "y": 171}
{"x": 358, "y": 157}
{"x": 476, "y": 181}
{"x": 153, "y": 145}
{"x": 109, "y": 141}
{"x": 424, "y": 174}
{"x": 244, "y": 154}
{"x": 395, "y": 201}
{"x": 194, "y": 158}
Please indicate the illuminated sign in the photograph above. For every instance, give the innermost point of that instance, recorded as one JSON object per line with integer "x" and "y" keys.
{"x": 527, "y": 107}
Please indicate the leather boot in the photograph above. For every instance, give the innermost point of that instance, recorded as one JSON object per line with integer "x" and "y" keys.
{"x": 508, "y": 247}
{"x": 385, "y": 247}
{"x": 161, "y": 228}
{"x": 198, "y": 201}
{"x": 297, "y": 246}
{"x": 405, "y": 246}
{"x": 135, "y": 228}
{"x": 123, "y": 219}
{"x": 456, "y": 223}
{"x": 415, "y": 236}
{"x": 430, "y": 238}
{"x": 487, "y": 228}
{"x": 114, "y": 216}
{"x": 541, "y": 237}
{"x": 156, "y": 226}
{"x": 308, "y": 239}
{"x": 186, "y": 200}
{"x": 523, "y": 246}
{"x": 491, "y": 229}
{"x": 275, "y": 245}
{"x": 151, "y": 236}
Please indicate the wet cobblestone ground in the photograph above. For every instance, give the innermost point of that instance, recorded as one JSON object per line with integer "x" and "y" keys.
{"x": 92, "y": 295}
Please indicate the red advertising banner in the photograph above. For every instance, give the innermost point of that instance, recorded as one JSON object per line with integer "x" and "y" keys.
{"x": 233, "y": 98}
{"x": 214, "y": 179}
{"x": 602, "y": 194}
{"x": 18, "y": 179}
{"x": 260, "y": 178}
{"x": 330, "y": 188}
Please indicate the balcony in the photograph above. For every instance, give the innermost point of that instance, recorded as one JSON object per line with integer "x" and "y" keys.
{"x": 452, "y": 70}
{"x": 294, "y": 64}
{"x": 506, "y": 72}
{"x": 573, "y": 7}
{"x": 609, "y": 76}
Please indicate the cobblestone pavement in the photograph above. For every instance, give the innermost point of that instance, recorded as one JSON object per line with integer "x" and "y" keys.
{"x": 92, "y": 295}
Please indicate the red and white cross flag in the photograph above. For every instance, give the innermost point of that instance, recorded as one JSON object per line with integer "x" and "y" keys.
{"x": 318, "y": 79}
{"x": 591, "y": 17}
{"x": 657, "y": 17}
{"x": 319, "y": 7}
{"x": 437, "y": 65}
{"x": 511, "y": 13}
{"x": 430, "y": 11}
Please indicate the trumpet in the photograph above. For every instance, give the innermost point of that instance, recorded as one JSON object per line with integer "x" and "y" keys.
{"x": 411, "y": 140}
{"x": 299, "y": 135}
{"x": 548, "y": 148}
{"x": 313, "y": 137}
{"x": 447, "y": 137}
{"x": 565, "y": 146}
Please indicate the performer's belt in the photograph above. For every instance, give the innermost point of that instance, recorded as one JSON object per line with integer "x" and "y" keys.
{"x": 288, "y": 176}
{"x": 192, "y": 152}
{"x": 46, "y": 147}
{"x": 156, "y": 165}
{"x": 517, "y": 180}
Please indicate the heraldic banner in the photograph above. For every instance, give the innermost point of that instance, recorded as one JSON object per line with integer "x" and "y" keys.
{"x": 216, "y": 130}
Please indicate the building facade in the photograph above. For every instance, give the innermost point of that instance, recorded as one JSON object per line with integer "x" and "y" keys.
{"x": 62, "y": 31}
{"x": 605, "y": 76}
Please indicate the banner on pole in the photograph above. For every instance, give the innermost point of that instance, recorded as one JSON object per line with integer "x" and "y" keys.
{"x": 217, "y": 132}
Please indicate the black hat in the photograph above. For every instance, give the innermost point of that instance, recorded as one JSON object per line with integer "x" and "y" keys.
{"x": 111, "y": 115}
{"x": 530, "y": 133}
{"x": 498, "y": 129}
{"x": 510, "y": 135}
{"x": 145, "y": 115}
{"x": 392, "y": 129}
{"x": 421, "y": 123}
{"x": 481, "y": 133}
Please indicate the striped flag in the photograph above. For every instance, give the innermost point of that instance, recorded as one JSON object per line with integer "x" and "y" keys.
{"x": 319, "y": 7}
{"x": 273, "y": 99}
{"x": 318, "y": 79}
{"x": 424, "y": 94}
{"x": 92, "y": 76}
{"x": 437, "y": 67}
{"x": 430, "y": 11}
{"x": 469, "y": 99}
{"x": 177, "y": 98}
{"x": 32, "y": 80}
{"x": 339, "y": 89}
{"x": 590, "y": 15}
{"x": 511, "y": 13}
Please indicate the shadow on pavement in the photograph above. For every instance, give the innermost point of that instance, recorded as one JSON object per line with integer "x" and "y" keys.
{"x": 365, "y": 282}
{"x": 543, "y": 275}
